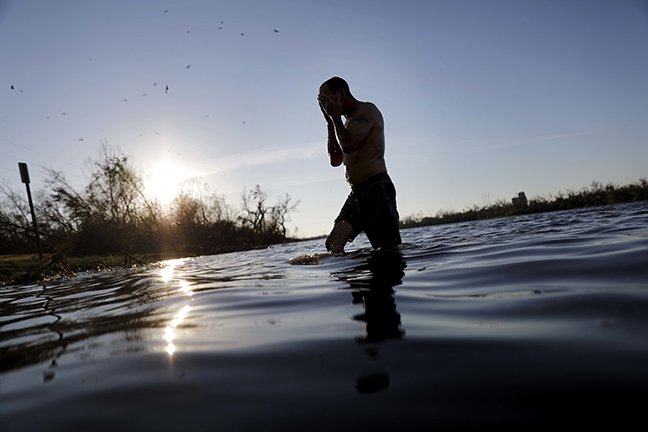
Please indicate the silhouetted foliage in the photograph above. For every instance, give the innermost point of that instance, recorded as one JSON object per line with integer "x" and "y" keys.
{"x": 112, "y": 214}
{"x": 594, "y": 195}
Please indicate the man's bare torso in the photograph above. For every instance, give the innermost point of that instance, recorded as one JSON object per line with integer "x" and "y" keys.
{"x": 369, "y": 158}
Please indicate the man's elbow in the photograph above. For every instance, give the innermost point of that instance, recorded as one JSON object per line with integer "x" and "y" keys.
{"x": 336, "y": 161}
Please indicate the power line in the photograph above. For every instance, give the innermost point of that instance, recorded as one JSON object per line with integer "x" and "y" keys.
{"x": 39, "y": 152}
{"x": 17, "y": 158}
{"x": 21, "y": 159}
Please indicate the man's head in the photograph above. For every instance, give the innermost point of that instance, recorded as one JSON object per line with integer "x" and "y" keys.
{"x": 335, "y": 85}
{"x": 337, "y": 89}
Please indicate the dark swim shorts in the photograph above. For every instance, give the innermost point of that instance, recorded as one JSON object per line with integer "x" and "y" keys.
{"x": 371, "y": 207}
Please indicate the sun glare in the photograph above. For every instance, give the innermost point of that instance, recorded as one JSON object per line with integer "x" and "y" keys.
{"x": 165, "y": 179}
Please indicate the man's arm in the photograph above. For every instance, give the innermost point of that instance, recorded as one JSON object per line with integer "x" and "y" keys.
{"x": 332, "y": 145}
{"x": 356, "y": 130}
{"x": 334, "y": 149}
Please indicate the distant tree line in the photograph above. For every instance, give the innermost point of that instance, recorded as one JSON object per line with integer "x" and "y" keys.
{"x": 111, "y": 214}
{"x": 596, "y": 194}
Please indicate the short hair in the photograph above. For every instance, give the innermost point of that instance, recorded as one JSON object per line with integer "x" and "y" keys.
{"x": 336, "y": 83}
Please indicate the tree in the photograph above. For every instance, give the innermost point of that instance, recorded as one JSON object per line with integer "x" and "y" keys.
{"x": 253, "y": 204}
{"x": 263, "y": 219}
{"x": 15, "y": 228}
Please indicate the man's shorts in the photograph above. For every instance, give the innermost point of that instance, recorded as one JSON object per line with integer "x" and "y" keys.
{"x": 371, "y": 207}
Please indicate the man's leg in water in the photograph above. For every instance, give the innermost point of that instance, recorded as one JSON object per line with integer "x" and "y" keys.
{"x": 341, "y": 233}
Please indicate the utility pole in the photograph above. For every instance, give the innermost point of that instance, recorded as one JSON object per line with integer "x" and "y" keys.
{"x": 24, "y": 177}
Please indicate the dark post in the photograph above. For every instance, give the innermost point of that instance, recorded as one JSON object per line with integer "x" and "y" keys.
{"x": 24, "y": 177}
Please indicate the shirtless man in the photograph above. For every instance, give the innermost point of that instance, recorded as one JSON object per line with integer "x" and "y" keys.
{"x": 359, "y": 144}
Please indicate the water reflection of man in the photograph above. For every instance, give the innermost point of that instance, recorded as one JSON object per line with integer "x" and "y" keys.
{"x": 372, "y": 285}
{"x": 382, "y": 320}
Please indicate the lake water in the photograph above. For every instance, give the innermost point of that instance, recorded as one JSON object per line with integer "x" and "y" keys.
{"x": 533, "y": 321}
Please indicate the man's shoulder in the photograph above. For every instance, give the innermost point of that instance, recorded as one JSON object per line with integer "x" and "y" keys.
{"x": 371, "y": 111}
{"x": 369, "y": 106}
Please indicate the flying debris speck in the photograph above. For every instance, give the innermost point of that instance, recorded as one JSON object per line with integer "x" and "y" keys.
{"x": 144, "y": 94}
{"x": 276, "y": 31}
{"x": 80, "y": 139}
{"x": 12, "y": 88}
{"x": 188, "y": 66}
{"x": 125, "y": 100}
{"x": 242, "y": 34}
{"x": 166, "y": 90}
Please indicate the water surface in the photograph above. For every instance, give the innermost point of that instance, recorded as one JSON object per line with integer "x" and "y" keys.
{"x": 533, "y": 321}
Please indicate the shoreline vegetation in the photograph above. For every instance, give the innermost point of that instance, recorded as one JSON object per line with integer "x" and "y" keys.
{"x": 594, "y": 195}
{"x": 110, "y": 222}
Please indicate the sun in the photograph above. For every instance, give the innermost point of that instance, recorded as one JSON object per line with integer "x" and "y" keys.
{"x": 164, "y": 180}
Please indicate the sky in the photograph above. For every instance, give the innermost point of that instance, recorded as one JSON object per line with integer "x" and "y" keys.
{"x": 481, "y": 99}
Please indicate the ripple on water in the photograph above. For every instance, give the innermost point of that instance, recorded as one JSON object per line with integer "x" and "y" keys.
{"x": 536, "y": 319}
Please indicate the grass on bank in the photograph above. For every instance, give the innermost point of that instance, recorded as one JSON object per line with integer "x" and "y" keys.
{"x": 28, "y": 268}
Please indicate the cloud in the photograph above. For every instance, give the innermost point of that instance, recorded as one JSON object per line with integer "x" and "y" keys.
{"x": 495, "y": 144}
{"x": 262, "y": 157}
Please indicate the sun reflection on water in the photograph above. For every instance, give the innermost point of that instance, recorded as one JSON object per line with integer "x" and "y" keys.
{"x": 168, "y": 274}
{"x": 170, "y": 330}
{"x": 185, "y": 288}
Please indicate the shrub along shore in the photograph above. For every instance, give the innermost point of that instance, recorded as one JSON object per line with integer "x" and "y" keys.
{"x": 112, "y": 218}
{"x": 595, "y": 195}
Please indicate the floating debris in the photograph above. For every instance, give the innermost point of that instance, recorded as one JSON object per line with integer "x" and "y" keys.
{"x": 48, "y": 375}
{"x": 53, "y": 266}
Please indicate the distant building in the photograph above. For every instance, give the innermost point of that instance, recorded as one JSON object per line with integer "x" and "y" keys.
{"x": 520, "y": 202}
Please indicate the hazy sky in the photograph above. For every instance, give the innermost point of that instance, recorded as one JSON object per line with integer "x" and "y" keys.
{"x": 481, "y": 98}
